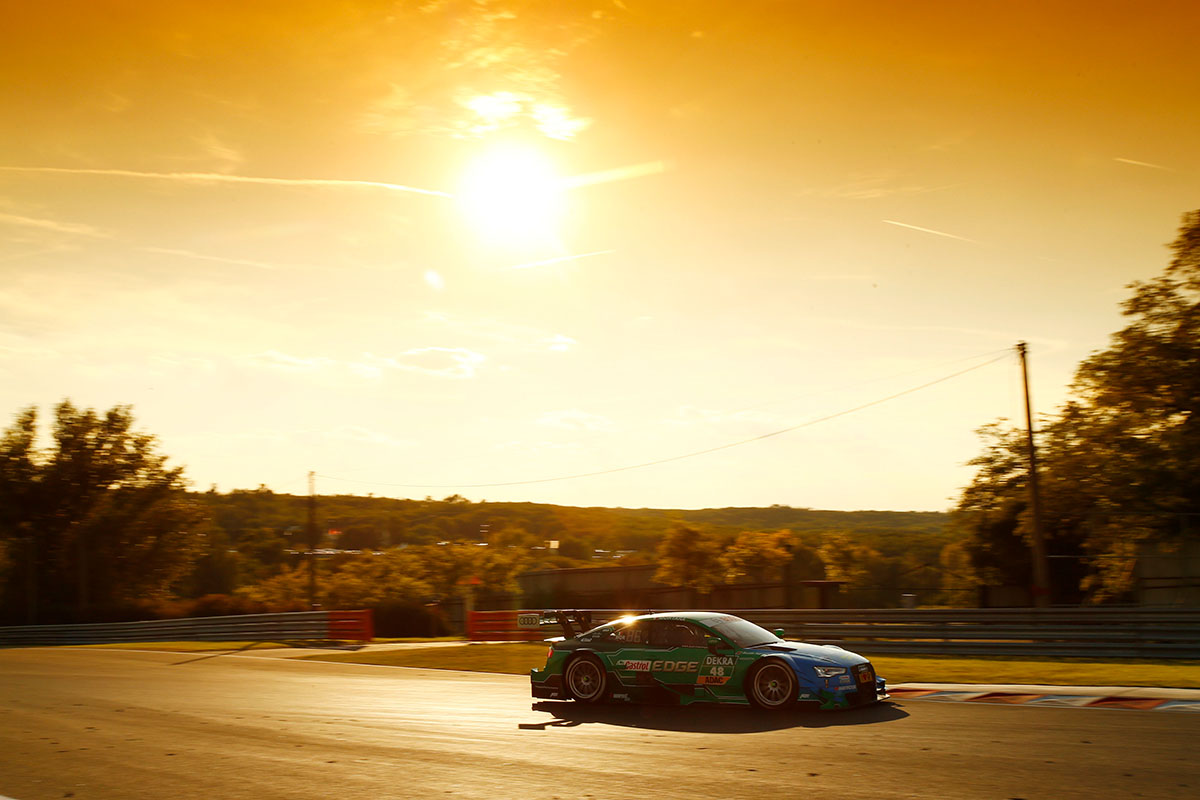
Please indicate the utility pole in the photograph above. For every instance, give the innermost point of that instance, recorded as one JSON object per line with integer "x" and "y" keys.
{"x": 1041, "y": 565}
{"x": 31, "y": 574}
{"x": 311, "y": 536}
{"x": 81, "y": 599}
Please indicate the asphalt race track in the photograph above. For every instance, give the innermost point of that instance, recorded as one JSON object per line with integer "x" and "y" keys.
{"x": 77, "y": 723}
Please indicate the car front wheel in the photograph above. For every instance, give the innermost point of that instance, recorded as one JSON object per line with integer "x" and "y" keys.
{"x": 772, "y": 686}
{"x": 585, "y": 679}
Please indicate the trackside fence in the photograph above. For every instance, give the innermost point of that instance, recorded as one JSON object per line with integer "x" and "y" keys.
{"x": 1149, "y": 633}
{"x": 300, "y": 626}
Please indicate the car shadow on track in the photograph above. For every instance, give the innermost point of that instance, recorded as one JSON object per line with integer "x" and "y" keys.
{"x": 705, "y": 718}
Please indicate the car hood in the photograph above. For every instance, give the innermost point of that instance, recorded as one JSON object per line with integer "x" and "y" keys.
{"x": 814, "y": 652}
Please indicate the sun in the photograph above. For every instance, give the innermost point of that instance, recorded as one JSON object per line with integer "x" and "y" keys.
{"x": 512, "y": 194}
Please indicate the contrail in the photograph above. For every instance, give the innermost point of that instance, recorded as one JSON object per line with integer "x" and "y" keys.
{"x": 73, "y": 228}
{"x": 929, "y": 230}
{"x": 216, "y": 177}
{"x": 548, "y": 261}
{"x": 618, "y": 174}
{"x": 1143, "y": 164}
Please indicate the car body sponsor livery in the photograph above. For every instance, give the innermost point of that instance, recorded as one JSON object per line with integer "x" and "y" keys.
{"x": 700, "y": 656}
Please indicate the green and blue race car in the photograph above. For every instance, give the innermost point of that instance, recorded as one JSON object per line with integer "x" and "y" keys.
{"x": 687, "y": 657}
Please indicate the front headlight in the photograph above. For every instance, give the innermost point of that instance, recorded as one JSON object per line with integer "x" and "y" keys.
{"x": 829, "y": 672}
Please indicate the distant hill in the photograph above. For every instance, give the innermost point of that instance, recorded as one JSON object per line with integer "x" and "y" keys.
{"x": 373, "y": 522}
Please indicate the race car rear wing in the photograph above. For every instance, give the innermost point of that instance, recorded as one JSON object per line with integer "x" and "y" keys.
{"x": 568, "y": 619}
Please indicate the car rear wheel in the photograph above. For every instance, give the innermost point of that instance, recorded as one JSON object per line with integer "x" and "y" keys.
{"x": 771, "y": 686}
{"x": 585, "y": 679}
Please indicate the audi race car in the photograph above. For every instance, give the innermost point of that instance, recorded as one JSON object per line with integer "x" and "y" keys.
{"x": 687, "y": 657}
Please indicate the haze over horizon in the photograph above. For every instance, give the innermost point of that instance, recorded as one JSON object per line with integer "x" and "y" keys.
{"x": 423, "y": 249}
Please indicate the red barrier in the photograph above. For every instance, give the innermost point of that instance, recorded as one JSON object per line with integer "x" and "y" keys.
{"x": 500, "y": 626}
{"x": 351, "y": 625}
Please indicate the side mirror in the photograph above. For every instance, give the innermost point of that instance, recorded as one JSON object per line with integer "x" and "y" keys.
{"x": 778, "y": 633}
{"x": 714, "y": 644}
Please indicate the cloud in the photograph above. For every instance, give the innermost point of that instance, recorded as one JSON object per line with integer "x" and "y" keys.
{"x": 274, "y": 359}
{"x": 560, "y": 343}
{"x": 25, "y": 352}
{"x": 57, "y": 226}
{"x": 357, "y": 433}
{"x": 692, "y": 415}
{"x": 845, "y": 277}
{"x": 41, "y": 251}
{"x": 956, "y": 331}
{"x": 547, "y": 262}
{"x": 872, "y": 186}
{"x": 525, "y": 337}
{"x": 241, "y": 262}
{"x": 574, "y": 419}
{"x": 217, "y": 177}
{"x": 214, "y": 148}
{"x": 189, "y": 363}
{"x": 442, "y": 362}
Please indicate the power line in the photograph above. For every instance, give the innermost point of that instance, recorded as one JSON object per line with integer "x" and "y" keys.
{"x": 868, "y": 381}
{"x": 693, "y": 454}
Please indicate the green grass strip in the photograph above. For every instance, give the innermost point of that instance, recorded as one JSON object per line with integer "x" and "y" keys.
{"x": 518, "y": 659}
{"x": 209, "y": 647}
{"x": 185, "y": 647}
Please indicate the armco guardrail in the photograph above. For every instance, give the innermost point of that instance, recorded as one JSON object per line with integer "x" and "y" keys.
{"x": 1079, "y": 632}
{"x": 323, "y": 625}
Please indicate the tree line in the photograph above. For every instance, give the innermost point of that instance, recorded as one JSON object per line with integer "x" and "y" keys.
{"x": 97, "y": 527}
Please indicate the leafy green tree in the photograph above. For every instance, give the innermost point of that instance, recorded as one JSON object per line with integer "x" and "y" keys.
{"x": 959, "y": 583}
{"x": 870, "y": 579}
{"x": 757, "y": 556}
{"x": 514, "y": 535}
{"x": 990, "y": 509}
{"x": 445, "y": 567}
{"x": 285, "y": 591}
{"x": 498, "y": 570}
{"x": 1121, "y": 459}
{"x": 216, "y": 571}
{"x": 806, "y": 563}
{"x": 371, "y": 580}
{"x": 689, "y": 557}
{"x": 96, "y": 522}
{"x": 262, "y": 551}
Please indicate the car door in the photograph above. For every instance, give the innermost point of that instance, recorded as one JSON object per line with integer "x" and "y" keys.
{"x": 679, "y": 648}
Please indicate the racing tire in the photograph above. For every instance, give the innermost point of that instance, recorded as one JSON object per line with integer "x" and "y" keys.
{"x": 585, "y": 679}
{"x": 772, "y": 686}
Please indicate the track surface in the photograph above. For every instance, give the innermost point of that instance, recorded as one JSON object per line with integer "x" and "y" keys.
{"x": 120, "y": 724}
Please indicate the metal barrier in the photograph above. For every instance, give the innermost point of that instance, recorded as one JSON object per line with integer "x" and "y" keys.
{"x": 304, "y": 625}
{"x": 1169, "y": 633}
{"x": 501, "y": 626}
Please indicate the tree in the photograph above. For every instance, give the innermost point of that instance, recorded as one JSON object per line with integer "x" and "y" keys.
{"x": 690, "y": 558}
{"x": 1121, "y": 458}
{"x": 94, "y": 523}
{"x": 759, "y": 556}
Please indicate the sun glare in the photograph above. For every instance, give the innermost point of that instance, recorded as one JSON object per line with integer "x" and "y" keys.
{"x": 513, "y": 195}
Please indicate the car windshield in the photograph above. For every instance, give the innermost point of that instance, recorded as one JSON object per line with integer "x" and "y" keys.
{"x": 742, "y": 633}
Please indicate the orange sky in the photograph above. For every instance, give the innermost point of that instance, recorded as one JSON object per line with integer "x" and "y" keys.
{"x": 781, "y": 211}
